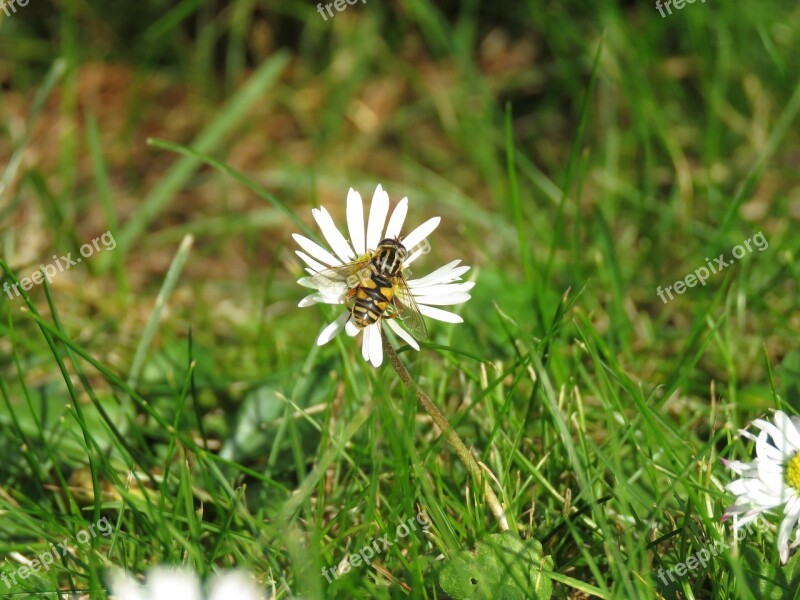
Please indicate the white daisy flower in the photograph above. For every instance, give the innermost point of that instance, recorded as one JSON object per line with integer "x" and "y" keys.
{"x": 178, "y": 584}
{"x": 439, "y": 288}
{"x": 772, "y": 480}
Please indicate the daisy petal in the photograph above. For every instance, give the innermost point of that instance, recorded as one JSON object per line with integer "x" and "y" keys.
{"x": 332, "y": 329}
{"x": 351, "y": 328}
{"x": 786, "y": 427}
{"x": 377, "y": 217}
{"x": 742, "y": 520}
{"x": 308, "y": 301}
{"x": 447, "y": 273}
{"x": 355, "y": 221}
{"x": 792, "y": 513}
{"x": 765, "y": 450}
{"x": 234, "y": 585}
{"x": 316, "y": 250}
{"x": 365, "y": 343}
{"x": 332, "y": 235}
{"x": 796, "y": 541}
{"x": 124, "y": 586}
{"x": 327, "y": 296}
{"x": 420, "y": 233}
{"x": 736, "y": 466}
{"x": 315, "y": 266}
{"x": 443, "y": 299}
{"x": 332, "y": 293}
{"x": 307, "y": 282}
{"x": 439, "y": 314}
{"x": 376, "y": 345}
{"x": 412, "y": 257}
{"x": 397, "y": 219}
{"x": 169, "y": 584}
{"x": 444, "y": 289}
{"x": 402, "y": 333}
{"x": 733, "y": 510}
{"x": 778, "y": 439}
{"x": 747, "y": 435}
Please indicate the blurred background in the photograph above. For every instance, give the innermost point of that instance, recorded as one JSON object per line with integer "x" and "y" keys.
{"x": 652, "y": 145}
{"x": 589, "y": 151}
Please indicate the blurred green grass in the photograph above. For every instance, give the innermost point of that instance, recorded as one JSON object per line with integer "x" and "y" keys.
{"x": 580, "y": 156}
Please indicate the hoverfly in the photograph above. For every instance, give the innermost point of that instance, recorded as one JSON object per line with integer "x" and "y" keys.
{"x": 376, "y": 288}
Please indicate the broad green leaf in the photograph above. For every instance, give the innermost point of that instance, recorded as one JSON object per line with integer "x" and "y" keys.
{"x": 772, "y": 581}
{"x": 502, "y": 567}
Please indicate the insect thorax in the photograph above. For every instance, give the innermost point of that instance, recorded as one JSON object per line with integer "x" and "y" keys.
{"x": 389, "y": 257}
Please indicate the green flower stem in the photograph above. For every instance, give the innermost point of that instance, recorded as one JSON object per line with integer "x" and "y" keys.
{"x": 441, "y": 421}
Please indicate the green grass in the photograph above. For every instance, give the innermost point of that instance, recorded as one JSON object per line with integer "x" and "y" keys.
{"x": 580, "y": 155}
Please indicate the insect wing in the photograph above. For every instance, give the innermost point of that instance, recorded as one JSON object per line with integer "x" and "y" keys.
{"x": 408, "y": 310}
{"x": 342, "y": 277}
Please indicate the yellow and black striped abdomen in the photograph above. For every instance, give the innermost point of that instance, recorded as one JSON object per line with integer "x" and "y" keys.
{"x": 372, "y": 298}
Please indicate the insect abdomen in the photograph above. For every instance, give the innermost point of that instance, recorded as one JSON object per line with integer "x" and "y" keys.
{"x": 372, "y": 299}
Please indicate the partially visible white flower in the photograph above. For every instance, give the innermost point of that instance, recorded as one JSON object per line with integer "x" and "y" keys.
{"x": 771, "y": 480}
{"x": 439, "y": 288}
{"x": 179, "y": 584}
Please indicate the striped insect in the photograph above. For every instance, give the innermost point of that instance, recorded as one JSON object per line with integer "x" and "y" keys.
{"x": 376, "y": 288}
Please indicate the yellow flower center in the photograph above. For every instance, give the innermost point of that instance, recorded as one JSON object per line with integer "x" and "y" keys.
{"x": 793, "y": 472}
